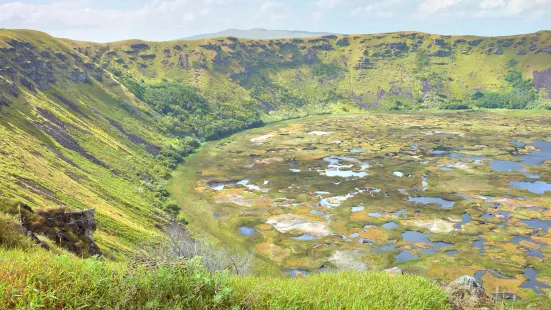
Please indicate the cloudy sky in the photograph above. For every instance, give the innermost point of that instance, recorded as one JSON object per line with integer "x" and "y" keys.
{"x": 110, "y": 20}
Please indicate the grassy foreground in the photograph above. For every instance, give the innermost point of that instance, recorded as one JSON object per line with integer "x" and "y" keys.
{"x": 41, "y": 280}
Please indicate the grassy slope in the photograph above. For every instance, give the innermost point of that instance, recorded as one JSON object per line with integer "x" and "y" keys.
{"x": 38, "y": 170}
{"x": 38, "y": 280}
{"x": 283, "y": 70}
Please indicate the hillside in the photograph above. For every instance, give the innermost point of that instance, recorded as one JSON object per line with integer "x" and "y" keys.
{"x": 90, "y": 125}
{"x": 260, "y": 34}
{"x": 103, "y": 126}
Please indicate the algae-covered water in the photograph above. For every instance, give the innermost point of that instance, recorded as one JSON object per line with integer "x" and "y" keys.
{"x": 439, "y": 194}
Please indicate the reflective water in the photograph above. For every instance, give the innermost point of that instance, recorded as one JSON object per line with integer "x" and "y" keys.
{"x": 444, "y": 204}
{"x": 357, "y": 209}
{"x": 405, "y": 256}
{"x": 295, "y": 273}
{"x": 306, "y": 237}
{"x": 479, "y": 244}
{"x": 466, "y": 218}
{"x": 535, "y": 187}
{"x": 452, "y": 252}
{"x": 247, "y": 231}
{"x": 538, "y": 224}
{"x": 415, "y": 237}
{"x": 532, "y": 283}
{"x": 390, "y": 225}
{"x": 535, "y": 158}
{"x": 399, "y": 174}
{"x": 317, "y": 212}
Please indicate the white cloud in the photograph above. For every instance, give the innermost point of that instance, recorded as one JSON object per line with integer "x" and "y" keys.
{"x": 269, "y": 6}
{"x": 381, "y": 8}
{"x": 492, "y": 4}
{"x": 432, "y": 6}
{"x": 329, "y": 4}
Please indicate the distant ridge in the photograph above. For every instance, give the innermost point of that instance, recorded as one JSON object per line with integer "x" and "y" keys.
{"x": 258, "y": 33}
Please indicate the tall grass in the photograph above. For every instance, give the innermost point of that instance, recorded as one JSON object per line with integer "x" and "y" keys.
{"x": 40, "y": 280}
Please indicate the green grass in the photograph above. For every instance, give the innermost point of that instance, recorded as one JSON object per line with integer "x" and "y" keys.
{"x": 40, "y": 280}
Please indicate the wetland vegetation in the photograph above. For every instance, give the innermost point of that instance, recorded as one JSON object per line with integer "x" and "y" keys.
{"x": 370, "y": 192}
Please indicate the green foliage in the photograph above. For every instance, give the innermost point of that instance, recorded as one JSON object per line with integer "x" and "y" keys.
{"x": 521, "y": 96}
{"x": 326, "y": 70}
{"x": 422, "y": 59}
{"x": 40, "y": 280}
{"x": 512, "y": 62}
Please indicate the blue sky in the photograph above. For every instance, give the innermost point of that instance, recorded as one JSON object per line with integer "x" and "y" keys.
{"x": 158, "y": 20}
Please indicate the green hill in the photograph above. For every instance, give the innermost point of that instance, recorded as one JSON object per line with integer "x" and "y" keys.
{"x": 87, "y": 125}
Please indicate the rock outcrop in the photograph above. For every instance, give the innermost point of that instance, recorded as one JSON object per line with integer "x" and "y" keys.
{"x": 467, "y": 293}
{"x": 72, "y": 230}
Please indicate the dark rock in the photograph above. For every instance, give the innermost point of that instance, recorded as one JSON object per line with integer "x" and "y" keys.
{"x": 61, "y": 56}
{"x": 521, "y": 52}
{"x": 233, "y": 39}
{"x": 138, "y": 46}
{"x": 466, "y": 293}
{"x": 330, "y": 37}
{"x": 76, "y": 57}
{"x": 212, "y": 47}
{"x": 439, "y": 42}
{"x": 45, "y": 54}
{"x": 459, "y": 41}
{"x": 27, "y": 84}
{"x": 533, "y": 46}
{"x": 475, "y": 42}
{"x": 310, "y": 56}
{"x": 343, "y": 42}
{"x": 494, "y": 51}
{"x": 8, "y": 87}
{"x": 183, "y": 62}
{"x": 27, "y": 65}
{"x": 326, "y": 46}
{"x": 78, "y": 76}
{"x": 4, "y": 103}
{"x": 440, "y": 53}
{"x": 544, "y": 50}
{"x": 542, "y": 81}
{"x": 73, "y": 106}
{"x": 398, "y": 45}
{"x": 364, "y": 64}
{"x": 9, "y": 72}
{"x": 19, "y": 44}
{"x": 148, "y": 56}
{"x": 177, "y": 47}
{"x": 54, "y": 127}
{"x": 297, "y": 40}
{"x": 149, "y": 147}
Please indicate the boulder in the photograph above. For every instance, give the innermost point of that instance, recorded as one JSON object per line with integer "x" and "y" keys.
{"x": 466, "y": 293}
{"x": 394, "y": 270}
{"x": 521, "y": 52}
